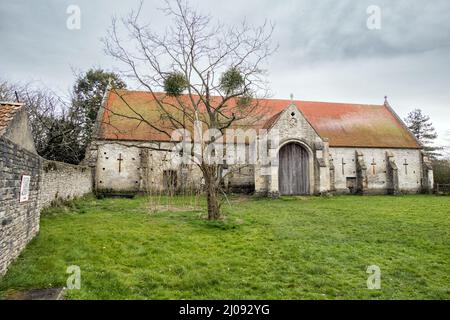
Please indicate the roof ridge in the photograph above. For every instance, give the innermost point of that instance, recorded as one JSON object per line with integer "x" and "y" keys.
{"x": 343, "y": 103}
{"x": 401, "y": 122}
{"x": 344, "y": 124}
{"x": 288, "y": 101}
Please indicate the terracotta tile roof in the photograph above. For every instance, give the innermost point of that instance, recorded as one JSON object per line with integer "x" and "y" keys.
{"x": 7, "y": 112}
{"x": 355, "y": 125}
{"x": 272, "y": 120}
{"x": 345, "y": 125}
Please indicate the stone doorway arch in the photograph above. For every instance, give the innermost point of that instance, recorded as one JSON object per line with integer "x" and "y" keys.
{"x": 294, "y": 170}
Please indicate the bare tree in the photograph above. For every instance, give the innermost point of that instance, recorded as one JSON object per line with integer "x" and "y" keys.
{"x": 211, "y": 74}
{"x": 54, "y": 122}
{"x": 6, "y": 91}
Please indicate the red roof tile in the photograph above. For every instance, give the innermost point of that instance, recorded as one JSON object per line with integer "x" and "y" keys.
{"x": 345, "y": 125}
{"x": 7, "y": 112}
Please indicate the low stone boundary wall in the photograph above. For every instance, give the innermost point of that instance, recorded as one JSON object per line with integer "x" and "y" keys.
{"x": 63, "y": 181}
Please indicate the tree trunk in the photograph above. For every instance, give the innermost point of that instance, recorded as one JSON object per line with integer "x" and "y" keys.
{"x": 213, "y": 201}
{"x": 212, "y": 192}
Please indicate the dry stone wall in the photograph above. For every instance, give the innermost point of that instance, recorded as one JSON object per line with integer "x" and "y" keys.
{"x": 49, "y": 180}
{"x": 63, "y": 181}
{"x": 19, "y": 221}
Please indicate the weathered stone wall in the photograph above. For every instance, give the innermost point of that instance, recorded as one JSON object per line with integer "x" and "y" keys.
{"x": 117, "y": 175}
{"x": 409, "y": 176}
{"x": 156, "y": 162}
{"x": 129, "y": 167}
{"x": 19, "y": 132}
{"x": 293, "y": 125}
{"x": 19, "y": 222}
{"x": 241, "y": 179}
{"x": 63, "y": 181}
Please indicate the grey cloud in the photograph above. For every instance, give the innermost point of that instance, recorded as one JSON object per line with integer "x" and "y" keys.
{"x": 324, "y": 30}
{"x": 326, "y": 51}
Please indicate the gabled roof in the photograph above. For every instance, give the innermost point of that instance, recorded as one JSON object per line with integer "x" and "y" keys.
{"x": 358, "y": 125}
{"x": 7, "y": 112}
{"x": 272, "y": 120}
{"x": 345, "y": 125}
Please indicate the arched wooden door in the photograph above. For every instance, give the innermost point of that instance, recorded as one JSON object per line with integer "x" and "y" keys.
{"x": 293, "y": 170}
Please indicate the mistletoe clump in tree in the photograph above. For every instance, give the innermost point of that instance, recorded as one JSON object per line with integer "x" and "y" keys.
{"x": 175, "y": 84}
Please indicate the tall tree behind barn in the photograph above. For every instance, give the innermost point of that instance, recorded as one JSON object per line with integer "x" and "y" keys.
{"x": 88, "y": 92}
{"x": 422, "y": 127}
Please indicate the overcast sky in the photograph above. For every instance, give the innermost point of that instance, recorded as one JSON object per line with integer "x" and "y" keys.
{"x": 326, "y": 51}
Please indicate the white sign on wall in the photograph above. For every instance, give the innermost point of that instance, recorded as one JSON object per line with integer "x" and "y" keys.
{"x": 25, "y": 188}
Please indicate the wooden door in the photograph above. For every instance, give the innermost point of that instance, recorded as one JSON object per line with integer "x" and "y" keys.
{"x": 293, "y": 170}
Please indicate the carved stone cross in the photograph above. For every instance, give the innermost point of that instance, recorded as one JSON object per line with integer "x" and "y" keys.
{"x": 120, "y": 162}
{"x": 343, "y": 164}
{"x": 373, "y": 164}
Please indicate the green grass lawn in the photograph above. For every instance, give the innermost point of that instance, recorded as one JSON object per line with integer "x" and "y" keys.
{"x": 289, "y": 248}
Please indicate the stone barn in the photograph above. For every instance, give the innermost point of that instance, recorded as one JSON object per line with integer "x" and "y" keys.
{"x": 323, "y": 147}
